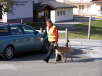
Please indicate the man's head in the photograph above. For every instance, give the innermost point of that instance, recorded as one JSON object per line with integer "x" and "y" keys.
{"x": 49, "y": 22}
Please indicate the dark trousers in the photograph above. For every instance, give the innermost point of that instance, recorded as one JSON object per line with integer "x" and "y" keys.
{"x": 50, "y": 52}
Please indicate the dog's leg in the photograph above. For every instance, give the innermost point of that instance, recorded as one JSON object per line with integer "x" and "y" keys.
{"x": 62, "y": 57}
{"x": 71, "y": 55}
{"x": 71, "y": 59}
{"x": 56, "y": 54}
{"x": 65, "y": 58}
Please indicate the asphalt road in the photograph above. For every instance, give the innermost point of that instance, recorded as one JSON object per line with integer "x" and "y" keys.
{"x": 33, "y": 65}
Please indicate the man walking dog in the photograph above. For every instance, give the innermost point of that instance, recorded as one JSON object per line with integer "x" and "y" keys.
{"x": 52, "y": 33}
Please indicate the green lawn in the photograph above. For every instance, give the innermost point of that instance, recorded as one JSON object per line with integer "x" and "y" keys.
{"x": 81, "y": 32}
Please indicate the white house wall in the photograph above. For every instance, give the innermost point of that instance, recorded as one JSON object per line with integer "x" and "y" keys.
{"x": 60, "y": 1}
{"x": 75, "y": 11}
{"x": 94, "y": 9}
{"x": 84, "y": 11}
{"x": 4, "y": 17}
{"x": 22, "y": 9}
{"x": 52, "y": 16}
{"x": 68, "y": 16}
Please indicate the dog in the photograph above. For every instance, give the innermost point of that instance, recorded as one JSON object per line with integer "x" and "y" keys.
{"x": 64, "y": 52}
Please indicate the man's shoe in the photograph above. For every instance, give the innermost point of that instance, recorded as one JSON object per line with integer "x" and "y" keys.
{"x": 46, "y": 60}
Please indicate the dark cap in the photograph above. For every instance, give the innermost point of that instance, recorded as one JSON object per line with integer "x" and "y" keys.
{"x": 48, "y": 20}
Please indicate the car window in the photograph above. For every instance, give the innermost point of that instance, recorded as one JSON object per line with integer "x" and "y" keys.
{"x": 27, "y": 29}
{"x": 15, "y": 30}
{"x": 4, "y": 31}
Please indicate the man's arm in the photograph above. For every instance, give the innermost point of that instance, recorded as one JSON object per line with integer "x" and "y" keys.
{"x": 56, "y": 34}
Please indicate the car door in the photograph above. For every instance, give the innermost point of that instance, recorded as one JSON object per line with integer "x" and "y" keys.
{"x": 19, "y": 40}
{"x": 34, "y": 41}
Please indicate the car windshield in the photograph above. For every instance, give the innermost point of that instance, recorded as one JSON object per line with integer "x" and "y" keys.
{"x": 3, "y": 31}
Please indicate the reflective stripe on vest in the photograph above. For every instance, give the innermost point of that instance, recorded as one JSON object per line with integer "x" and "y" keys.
{"x": 50, "y": 32}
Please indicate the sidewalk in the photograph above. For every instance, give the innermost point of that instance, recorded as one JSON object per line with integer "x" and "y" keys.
{"x": 90, "y": 48}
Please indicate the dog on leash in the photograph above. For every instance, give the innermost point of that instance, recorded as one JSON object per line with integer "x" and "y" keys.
{"x": 64, "y": 52}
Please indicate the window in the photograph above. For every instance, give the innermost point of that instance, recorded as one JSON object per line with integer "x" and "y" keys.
{"x": 27, "y": 29}
{"x": 64, "y": 12}
{"x": 40, "y": 14}
{"x": 61, "y": 13}
{"x": 15, "y": 30}
{"x": 4, "y": 31}
{"x": 58, "y": 13}
{"x": 81, "y": 7}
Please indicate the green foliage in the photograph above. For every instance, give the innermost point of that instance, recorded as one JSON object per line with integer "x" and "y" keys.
{"x": 7, "y": 4}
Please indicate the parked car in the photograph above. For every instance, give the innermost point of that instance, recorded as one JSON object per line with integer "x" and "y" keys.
{"x": 20, "y": 38}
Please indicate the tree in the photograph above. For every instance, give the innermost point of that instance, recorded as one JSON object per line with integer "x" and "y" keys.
{"x": 7, "y": 4}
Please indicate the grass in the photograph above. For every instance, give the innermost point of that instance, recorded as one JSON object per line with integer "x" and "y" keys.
{"x": 81, "y": 31}
{"x": 73, "y": 35}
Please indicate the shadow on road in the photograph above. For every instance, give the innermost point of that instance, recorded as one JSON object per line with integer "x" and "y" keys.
{"x": 40, "y": 56}
{"x": 77, "y": 51}
{"x": 27, "y": 57}
{"x": 88, "y": 60}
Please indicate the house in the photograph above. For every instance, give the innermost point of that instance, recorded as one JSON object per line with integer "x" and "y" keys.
{"x": 58, "y": 11}
{"x": 86, "y": 7}
{"x": 62, "y": 12}
{"x": 98, "y": 3}
{"x": 41, "y": 12}
{"x": 22, "y": 10}
{"x": 37, "y": 11}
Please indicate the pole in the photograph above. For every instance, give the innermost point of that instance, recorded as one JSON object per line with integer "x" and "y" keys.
{"x": 67, "y": 40}
{"x": 89, "y": 28}
{"x": 21, "y": 21}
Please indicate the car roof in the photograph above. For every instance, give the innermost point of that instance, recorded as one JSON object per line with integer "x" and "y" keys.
{"x": 10, "y": 24}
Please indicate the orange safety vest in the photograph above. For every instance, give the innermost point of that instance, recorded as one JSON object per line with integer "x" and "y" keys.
{"x": 50, "y": 32}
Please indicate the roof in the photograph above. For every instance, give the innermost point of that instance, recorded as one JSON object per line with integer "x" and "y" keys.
{"x": 96, "y": 0}
{"x": 51, "y": 5}
{"x": 58, "y": 4}
{"x": 40, "y": 6}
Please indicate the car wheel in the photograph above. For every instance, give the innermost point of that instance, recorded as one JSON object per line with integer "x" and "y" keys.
{"x": 8, "y": 53}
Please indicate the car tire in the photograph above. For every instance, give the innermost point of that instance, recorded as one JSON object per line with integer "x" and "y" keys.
{"x": 8, "y": 53}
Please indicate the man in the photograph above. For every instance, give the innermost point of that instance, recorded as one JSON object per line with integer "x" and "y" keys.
{"x": 52, "y": 33}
